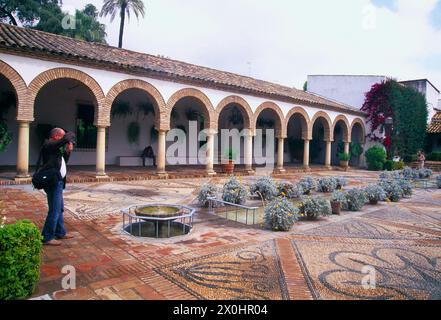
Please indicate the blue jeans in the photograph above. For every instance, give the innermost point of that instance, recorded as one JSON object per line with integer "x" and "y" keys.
{"x": 54, "y": 224}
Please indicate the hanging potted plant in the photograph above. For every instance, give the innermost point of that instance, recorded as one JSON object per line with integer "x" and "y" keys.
{"x": 121, "y": 109}
{"x": 133, "y": 132}
{"x": 230, "y": 155}
{"x": 344, "y": 160}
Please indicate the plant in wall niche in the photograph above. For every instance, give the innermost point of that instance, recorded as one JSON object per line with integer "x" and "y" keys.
{"x": 145, "y": 108}
{"x": 7, "y": 100}
{"x": 280, "y": 215}
{"x": 133, "y": 132}
{"x": 121, "y": 109}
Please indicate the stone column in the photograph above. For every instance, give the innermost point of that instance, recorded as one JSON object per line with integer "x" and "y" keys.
{"x": 280, "y": 154}
{"x": 101, "y": 152}
{"x": 23, "y": 151}
{"x": 210, "y": 155}
{"x": 328, "y": 154}
{"x": 160, "y": 161}
{"x": 306, "y": 153}
{"x": 249, "y": 153}
{"x": 346, "y": 150}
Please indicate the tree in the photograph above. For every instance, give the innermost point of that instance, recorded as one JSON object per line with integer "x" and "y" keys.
{"x": 305, "y": 86}
{"x": 25, "y": 11}
{"x": 87, "y": 27}
{"x": 111, "y": 7}
{"x": 408, "y": 109}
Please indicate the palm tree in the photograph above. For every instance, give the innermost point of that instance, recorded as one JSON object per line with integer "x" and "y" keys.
{"x": 124, "y": 7}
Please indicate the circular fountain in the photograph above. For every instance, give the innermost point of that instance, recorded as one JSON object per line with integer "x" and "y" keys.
{"x": 158, "y": 220}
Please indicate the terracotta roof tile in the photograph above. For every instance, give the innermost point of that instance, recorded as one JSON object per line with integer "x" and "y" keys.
{"x": 435, "y": 125}
{"x": 41, "y": 43}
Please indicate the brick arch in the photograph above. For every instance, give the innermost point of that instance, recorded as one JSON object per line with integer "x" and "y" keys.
{"x": 347, "y": 127}
{"x": 363, "y": 128}
{"x": 280, "y": 128}
{"x": 68, "y": 73}
{"x": 21, "y": 91}
{"x": 306, "y": 123}
{"x": 246, "y": 110}
{"x": 327, "y": 124}
{"x": 154, "y": 94}
{"x": 209, "y": 111}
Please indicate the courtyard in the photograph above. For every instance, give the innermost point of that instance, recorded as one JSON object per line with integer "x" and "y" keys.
{"x": 224, "y": 259}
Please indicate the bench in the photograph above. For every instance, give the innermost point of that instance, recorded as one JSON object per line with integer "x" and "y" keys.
{"x": 133, "y": 161}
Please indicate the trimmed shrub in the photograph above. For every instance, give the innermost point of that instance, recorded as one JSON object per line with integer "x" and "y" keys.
{"x": 341, "y": 182}
{"x": 280, "y": 215}
{"x": 307, "y": 184}
{"x": 375, "y": 193}
{"x": 234, "y": 192}
{"x": 355, "y": 199}
{"x": 375, "y": 157}
{"x": 313, "y": 207}
{"x": 266, "y": 187}
{"x": 438, "y": 181}
{"x": 398, "y": 165}
{"x": 406, "y": 187}
{"x": 326, "y": 185}
{"x": 388, "y": 165}
{"x": 393, "y": 190}
{"x": 424, "y": 173}
{"x": 289, "y": 190}
{"x": 339, "y": 196}
{"x": 20, "y": 248}
{"x": 207, "y": 190}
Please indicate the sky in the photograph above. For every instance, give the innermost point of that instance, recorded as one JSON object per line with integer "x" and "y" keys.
{"x": 283, "y": 41}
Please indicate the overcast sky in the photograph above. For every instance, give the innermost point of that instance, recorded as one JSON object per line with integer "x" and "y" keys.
{"x": 285, "y": 40}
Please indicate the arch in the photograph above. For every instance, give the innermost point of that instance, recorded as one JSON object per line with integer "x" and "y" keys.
{"x": 159, "y": 103}
{"x": 248, "y": 113}
{"x": 347, "y": 127}
{"x": 327, "y": 124}
{"x": 280, "y": 132}
{"x": 21, "y": 91}
{"x": 363, "y": 128}
{"x": 304, "y": 119}
{"x": 195, "y": 93}
{"x": 68, "y": 73}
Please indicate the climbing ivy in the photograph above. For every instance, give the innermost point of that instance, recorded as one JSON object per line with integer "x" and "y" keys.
{"x": 408, "y": 109}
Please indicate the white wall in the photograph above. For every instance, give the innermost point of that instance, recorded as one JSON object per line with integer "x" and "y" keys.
{"x": 29, "y": 68}
{"x": 346, "y": 89}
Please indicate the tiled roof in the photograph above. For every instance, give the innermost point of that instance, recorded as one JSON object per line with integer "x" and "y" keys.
{"x": 25, "y": 40}
{"x": 435, "y": 125}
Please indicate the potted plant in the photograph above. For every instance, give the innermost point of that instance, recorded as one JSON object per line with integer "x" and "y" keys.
{"x": 307, "y": 184}
{"x": 280, "y": 215}
{"x": 338, "y": 198}
{"x": 326, "y": 185}
{"x": 234, "y": 192}
{"x": 313, "y": 207}
{"x": 344, "y": 159}
{"x": 375, "y": 193}
{"x": 228, "y": 167}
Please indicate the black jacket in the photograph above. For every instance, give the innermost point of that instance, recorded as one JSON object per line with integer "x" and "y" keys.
{"x": 51, "y": 153}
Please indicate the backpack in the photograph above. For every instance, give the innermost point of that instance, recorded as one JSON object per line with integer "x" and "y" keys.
{"x": 45, "y": 179}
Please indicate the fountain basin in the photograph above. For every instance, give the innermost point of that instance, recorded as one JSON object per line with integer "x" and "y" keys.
{"x": 158, "y": 220}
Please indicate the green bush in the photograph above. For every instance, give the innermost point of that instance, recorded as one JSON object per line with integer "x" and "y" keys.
{"x": 344, "y": 156}
{"x": 207, "y": 190}
{"x": 313, "y": 207}
{"x": 434, "y": 156}
{"x": 375, "y": 157}
{"x": 265, "y": 187}
{"x": 355, "y": 199}
{"x": 388, "y": 165}
{"x": 398, "y": 165}
{"x": 20, "y": 248}
{"x": 234, "y": 192}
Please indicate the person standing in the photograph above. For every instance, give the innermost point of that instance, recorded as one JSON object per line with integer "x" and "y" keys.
{"x": 55, "y": 154}
{"x": 421, "y": 159}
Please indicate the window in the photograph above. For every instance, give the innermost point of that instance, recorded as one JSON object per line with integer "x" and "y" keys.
{"x": 86, "y": 131}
